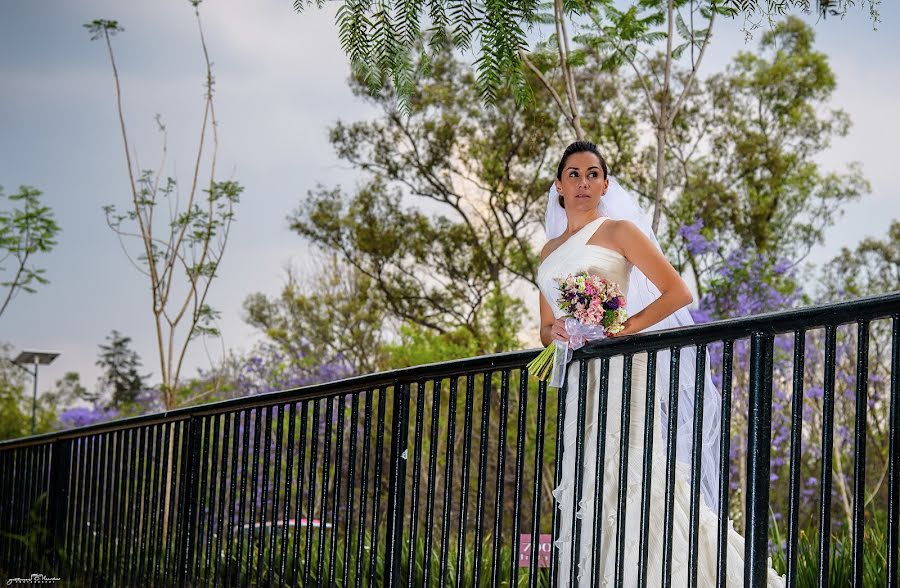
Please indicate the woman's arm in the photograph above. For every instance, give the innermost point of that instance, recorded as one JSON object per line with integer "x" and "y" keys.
{"x": 674, "y": 293}
{"x": 551, "y": 328}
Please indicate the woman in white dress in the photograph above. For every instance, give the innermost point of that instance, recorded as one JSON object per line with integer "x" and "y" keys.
{"x": 581, "y": 238}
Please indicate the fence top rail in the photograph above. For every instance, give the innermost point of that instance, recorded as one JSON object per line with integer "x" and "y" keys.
{"x": 812, "y": 317}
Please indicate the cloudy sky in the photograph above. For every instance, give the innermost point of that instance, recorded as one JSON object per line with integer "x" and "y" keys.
{"x": 281, "y": 80}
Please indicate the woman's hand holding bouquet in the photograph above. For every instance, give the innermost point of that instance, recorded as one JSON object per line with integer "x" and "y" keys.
{"x": 594, "y": 308}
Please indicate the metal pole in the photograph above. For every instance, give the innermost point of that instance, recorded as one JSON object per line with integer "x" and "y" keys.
{"x": 34, "y": 394}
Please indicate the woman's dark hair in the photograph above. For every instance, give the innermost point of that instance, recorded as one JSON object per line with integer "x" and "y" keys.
{"x": 580, "y": 147}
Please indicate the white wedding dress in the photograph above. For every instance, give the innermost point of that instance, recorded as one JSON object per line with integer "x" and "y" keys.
{"x": 573, "y": 256}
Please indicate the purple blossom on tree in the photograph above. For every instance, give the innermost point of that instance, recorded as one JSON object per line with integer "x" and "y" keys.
{"x": 694, "y": 240}
{"x": 83, "y": 416}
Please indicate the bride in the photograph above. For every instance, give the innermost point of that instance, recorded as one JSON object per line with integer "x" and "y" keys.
{"x": 592, "y": 224}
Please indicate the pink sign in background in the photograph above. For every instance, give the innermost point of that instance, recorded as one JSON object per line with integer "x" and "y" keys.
{"x": 543, "y": 548}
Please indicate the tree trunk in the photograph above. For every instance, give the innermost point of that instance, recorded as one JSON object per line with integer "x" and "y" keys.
{"x": 661, "y": 132}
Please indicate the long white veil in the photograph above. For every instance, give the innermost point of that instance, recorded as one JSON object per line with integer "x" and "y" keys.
{"x": 618, "y": 204}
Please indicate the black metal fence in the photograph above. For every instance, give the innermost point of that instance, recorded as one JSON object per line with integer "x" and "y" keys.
{"x": 442, "y": 474}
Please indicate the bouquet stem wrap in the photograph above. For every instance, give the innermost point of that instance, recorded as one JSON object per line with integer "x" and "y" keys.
{"x": 579, "y": 334}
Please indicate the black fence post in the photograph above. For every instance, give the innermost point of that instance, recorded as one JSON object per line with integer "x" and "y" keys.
{"x": 58, "y": 495}
{"x": 397, "y": 488}
{"x": 758, "y": 453}
{"x": 187, "y": 496}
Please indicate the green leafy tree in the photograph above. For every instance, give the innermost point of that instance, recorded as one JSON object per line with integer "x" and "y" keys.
{"x": 443, "y": 226}
{"x": 68, "y": 391}
{"x": 121, "y": 380}
{"x": 873, "y": 267}
{"x": 381, "y": 38}
{"x": 27, "y": 229}
{"x": 330, "y": 315}
{"x": 180, "y": 244}
{"x": 746, "y": 151}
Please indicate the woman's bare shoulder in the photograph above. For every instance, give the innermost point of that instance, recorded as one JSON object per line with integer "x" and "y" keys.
{"x": 623, "y": 231}
{"x": 551, "y": 246}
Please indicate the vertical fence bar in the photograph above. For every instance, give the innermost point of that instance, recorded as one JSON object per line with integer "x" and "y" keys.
{"x": 796, "y": 454}
{"x": 203, "y": 467}
{"x": 174, "y": 451}
{"x": 624, "y": 432}
{"x": 758, "y": 451}
{"x": 364, "y": 490}
{"x": 23, "y": 494}
{"x": 301, "y": 461}
{"x": 225, "y": 482}
{"x": 432, "y": 471}
{"x": 21, "y": 504}
{"x": 93, "y": 498}
{"x": 254, "y": 493}
{"x": 416, "y": 478}
{"x": 599, "y": 470}
{"x": 464, "y": 489}
{"x": 520, "y": 473}
{"x": 379, "y": 465}
{"x": 824, "y": 572}
{"x": 228, "y": 482}
{"x": 336, "y": 499}
{"x": 397, "y": 486}
{"x": 5, "y": 478}
{"x": 671, "y": 455}
{"x": 260, "y": 558}
{"x": 216, "y": 488}
{"x": 97, "y": 530}
{"x": 541, "y": 417}
{"x": 487, "y": 388}
{"x": 696, "y": 461}
{"x": 60, "y": 455}
{"x": 313, "y": 457}
{"x": 153, "y": 538}
{"x": 133, "y": 445}
{"x": 288, "y": 488}
{"x": 893, "y": 548}
{"x": 557, "y": 460}
{"x": 96, "y": 504}
{"x": 326, "y": 478}
{"x": 7, "y": 507}
{"x": 501, "y": 469}
{"x": 77, "y": 522}
{"x": 156, "y": 538}
{"x": 111, "y": 494}
{"x": 72, "y": 507}
{"x": 276, "y": 487}
{"x": 102, "y": 530}
{"x": 448, "y": 480}
{"x": 187, "y": 502}
{"x": 859, "y": 460}
{"x": 724, "y": 460}
{"x": 575, "y": 548}
{"x": 146, "y": 544}
{"x": 242, "y": 433}
{"x": 9, "y": 522}
{"x": 351, "y": 486}
{"x": 141, "y": 502}
{"x": 162, "y": 538}
{"x": 646, "y": 480}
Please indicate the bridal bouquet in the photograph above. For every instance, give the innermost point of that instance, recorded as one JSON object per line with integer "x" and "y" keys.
{"x": 595, "y": 308}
